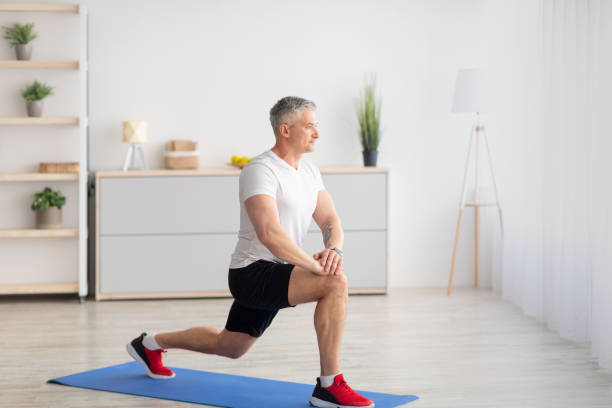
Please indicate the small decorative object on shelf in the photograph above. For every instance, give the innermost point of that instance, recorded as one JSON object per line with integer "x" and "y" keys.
{"x": 34, "y": 95}
{"x": 239, "y": 161}
{"x": 134, "y": 133}
{"x": 20, "y": 37}
{"x": 48, "y": 206}
{"x": 181, "y": 155}
{"x": 70, "y": 167}
{"x": 368, "y": 115}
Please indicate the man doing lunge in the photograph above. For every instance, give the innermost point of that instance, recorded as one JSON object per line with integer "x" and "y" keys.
{"x": 279, "y": 193}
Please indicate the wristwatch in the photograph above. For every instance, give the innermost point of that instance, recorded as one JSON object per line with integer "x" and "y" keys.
{"x": 338, "y": 251}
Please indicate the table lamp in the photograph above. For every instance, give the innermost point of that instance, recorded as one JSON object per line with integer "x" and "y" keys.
{"x": 134, "y": 133}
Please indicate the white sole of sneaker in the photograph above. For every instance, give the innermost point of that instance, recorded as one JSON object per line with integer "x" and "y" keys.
{"x": 316, "y": 402}
{"x": 135, "y": 356}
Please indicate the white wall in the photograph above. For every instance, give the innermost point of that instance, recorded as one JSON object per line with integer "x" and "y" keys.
{"x": 211, "y": 70}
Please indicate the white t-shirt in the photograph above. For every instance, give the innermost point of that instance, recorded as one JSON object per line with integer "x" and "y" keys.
{"x": 296, "y": 193}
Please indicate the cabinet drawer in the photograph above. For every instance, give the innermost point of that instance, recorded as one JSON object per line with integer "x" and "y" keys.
{"x": 169, "y": 205}
{"x": 365, "y": 256}
{"x": 360, "y": 200}
{"x": 169, "y": 263}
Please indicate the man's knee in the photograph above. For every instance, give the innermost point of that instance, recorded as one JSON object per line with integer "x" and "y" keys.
{"x": 235, "y": 354}
{"x": 233, "y": 344}
{"x": 338, "y": 285}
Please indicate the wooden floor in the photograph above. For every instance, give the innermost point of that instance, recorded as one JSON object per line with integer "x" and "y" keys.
{"x": 469, "y": 350}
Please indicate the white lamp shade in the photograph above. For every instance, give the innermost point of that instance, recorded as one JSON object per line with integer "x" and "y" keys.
{"x": 469, "y": 91}
{"x": 135, "y": 131}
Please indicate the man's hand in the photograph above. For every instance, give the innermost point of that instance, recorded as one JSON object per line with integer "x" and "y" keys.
{"x": 317, "y": 269}
{"x": 330, "y": 261}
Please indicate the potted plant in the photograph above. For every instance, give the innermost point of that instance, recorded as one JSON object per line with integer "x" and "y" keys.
{"x": 34, "y": 95}
{"x": 48, "y": 206}
{"x": 368, "y": 115}
{"x": 20, "y": 36}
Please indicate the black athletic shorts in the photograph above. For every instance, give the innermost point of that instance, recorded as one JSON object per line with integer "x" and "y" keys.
{"x": 260, "y": 290}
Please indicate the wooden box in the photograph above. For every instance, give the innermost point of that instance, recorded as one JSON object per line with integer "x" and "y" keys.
{"x": 71, "y": 167}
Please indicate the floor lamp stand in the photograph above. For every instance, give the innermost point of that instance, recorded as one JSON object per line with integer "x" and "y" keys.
{"x": 477, "y": 134}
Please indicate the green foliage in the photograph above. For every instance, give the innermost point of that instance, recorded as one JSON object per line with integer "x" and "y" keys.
{"x": 36, "y": 91}
{"x": 368, "y": 115}
{"x": 20, "y": 34}
{"x": 48, "y": 198}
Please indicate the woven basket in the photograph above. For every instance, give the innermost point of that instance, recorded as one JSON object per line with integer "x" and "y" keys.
{"x": 181, "y": 155}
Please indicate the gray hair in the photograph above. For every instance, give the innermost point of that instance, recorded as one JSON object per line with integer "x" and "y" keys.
{"x": 288, "y": 107}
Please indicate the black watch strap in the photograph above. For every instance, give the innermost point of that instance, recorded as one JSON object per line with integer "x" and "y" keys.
{"x": 338, "y": 251}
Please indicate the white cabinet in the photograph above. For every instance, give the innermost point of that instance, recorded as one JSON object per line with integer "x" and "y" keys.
{"x": 171, "y": 233}
{"x": 167, "y": 263}
{"x": 169, "y": 205}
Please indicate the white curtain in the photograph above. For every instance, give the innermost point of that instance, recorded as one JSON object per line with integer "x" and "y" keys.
{"x": 556, "y": 258}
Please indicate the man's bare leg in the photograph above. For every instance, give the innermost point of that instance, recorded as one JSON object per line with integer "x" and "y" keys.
{"x": 331, "y": 293}
{"x": 208, "y": 340}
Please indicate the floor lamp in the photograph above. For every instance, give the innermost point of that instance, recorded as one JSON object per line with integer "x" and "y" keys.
{"x": 469, "y": 92}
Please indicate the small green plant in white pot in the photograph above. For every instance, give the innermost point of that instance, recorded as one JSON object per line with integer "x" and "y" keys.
{"x": 20, "y": 37}
{"x": 368, "y": 115}
{"x": 48, "y": 206}
{"x": 34, "y": 95}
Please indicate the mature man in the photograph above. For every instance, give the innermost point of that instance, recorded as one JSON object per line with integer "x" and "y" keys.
{"x": 279, "y": 192}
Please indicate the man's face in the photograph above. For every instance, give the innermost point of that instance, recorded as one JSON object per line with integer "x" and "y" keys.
{"x": 303, "y": 132}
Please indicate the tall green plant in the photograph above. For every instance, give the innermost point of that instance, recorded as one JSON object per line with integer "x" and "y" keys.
{"x": 368, "y": 115}
{"x": 48, "y": 198}
{"x": 36, "y": 91}
{"x": 20, "y": 34}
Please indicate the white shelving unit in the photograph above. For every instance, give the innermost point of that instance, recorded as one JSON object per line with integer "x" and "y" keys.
{"x": 80, "y": 285}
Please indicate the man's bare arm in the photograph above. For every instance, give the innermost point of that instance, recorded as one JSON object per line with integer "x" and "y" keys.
{"x": 263, "y": 213}
{"x": 333, "y": 236}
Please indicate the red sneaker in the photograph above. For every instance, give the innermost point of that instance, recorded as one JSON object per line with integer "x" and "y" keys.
{"x": 151, "y": 360}
{"x": 338, "y": 395}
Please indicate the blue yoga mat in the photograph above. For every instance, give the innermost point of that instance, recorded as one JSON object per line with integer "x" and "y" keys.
{"x": 203, "y": 387}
